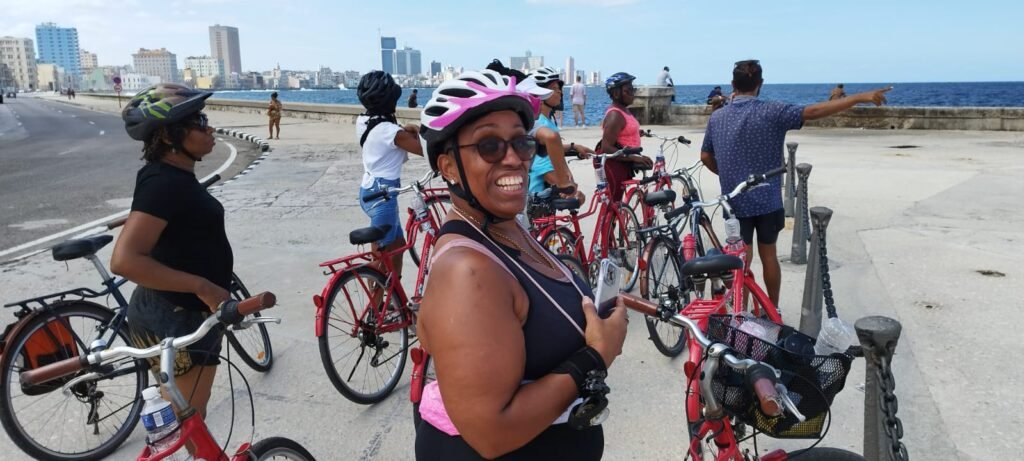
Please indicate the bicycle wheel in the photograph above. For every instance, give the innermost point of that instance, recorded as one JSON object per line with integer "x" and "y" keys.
{"x": 364, "y": 362}
{"x": 94, "y": 417}
{"x": 635, "y": 202}
{"x": 279, "y": 448}
{"x": 824, "y": 454}
{"x": 663, "y": 277}
{"x": 438, "y": 206}
{"x": 626, "y": 245}
{"x": 251, "y": 342}
{"x": 575, "y": 267}
{"x": 560, "y": 241}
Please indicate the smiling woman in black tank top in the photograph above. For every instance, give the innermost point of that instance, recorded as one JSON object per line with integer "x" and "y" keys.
{"x": 512, "y": 333}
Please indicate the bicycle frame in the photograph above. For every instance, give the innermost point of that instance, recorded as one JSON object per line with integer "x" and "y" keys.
{"x": 193, "y": 429}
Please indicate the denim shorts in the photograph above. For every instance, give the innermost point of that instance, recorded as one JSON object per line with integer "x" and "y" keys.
{"x": 151, "y": 318}
{"x": 382, "y": 212}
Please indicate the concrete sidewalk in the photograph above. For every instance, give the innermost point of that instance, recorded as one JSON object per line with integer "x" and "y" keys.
{"x": 913, "y": 231}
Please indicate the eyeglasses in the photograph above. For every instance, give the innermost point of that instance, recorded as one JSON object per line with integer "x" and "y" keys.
{"x": 200, "y": 121}
{"x": 492, "y": 148}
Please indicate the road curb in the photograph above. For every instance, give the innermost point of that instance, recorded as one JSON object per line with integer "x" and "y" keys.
{"x": 261, "y": 143}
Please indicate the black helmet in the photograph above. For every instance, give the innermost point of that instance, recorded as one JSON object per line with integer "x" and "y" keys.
{"x": 159, "y": 105}
{"x": 616, "y": 80}
{"x": 378, "y": 93}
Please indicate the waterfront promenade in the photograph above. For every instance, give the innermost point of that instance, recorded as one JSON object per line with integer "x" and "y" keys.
{"x": 914, "y": 228}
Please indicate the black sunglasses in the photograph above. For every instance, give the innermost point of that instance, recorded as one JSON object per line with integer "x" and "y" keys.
{"x": 492, "y": 148}
{"x": 199, "y": 121}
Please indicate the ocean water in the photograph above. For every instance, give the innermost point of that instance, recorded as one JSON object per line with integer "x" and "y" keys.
{"x": 956, "y": 94}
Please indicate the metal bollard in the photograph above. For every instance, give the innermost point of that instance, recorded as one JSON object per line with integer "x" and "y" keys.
{"x": 801, "y": 229}
{"x": 810, "y": 311}
{"x": 882, "y": 428}
{"x": 790, "y": 180}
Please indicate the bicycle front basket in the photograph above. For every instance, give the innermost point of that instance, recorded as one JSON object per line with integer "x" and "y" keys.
{"x": 812, "y": 380}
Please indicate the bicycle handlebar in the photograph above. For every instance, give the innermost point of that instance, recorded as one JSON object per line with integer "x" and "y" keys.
{"x": 230, "y": 312}
{"x": 680, "y": 139}
{"x": 625, "y": 151}
{"x": 762, "y": 379}
{"x": 388, "y": 193}
{"x": 120, "y": 221}
{"x": 752, "y": 180}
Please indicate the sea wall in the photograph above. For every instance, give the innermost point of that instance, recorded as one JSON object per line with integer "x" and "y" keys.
{"x": 652, "y": 107}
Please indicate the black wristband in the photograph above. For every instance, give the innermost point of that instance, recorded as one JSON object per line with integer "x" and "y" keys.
{"x": 580, "y": 364}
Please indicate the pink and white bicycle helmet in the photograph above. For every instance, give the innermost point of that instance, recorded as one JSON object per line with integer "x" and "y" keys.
{"x": 470, "y": 96}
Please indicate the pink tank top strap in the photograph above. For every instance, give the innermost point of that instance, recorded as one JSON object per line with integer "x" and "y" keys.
{"x": 630, "y": 134}
{"x": 473, "y": 245}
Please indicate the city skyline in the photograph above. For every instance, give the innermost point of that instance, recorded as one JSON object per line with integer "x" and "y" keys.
{"x": 798, "y": 42}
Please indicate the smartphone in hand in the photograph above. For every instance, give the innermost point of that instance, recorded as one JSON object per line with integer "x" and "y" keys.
{"x": 609, "y": 281}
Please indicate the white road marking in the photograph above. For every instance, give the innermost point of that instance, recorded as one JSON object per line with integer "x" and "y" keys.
{"x": 97, "y": 226}
{"x": 92, "y": 122}
{"x": 102, "y": 132}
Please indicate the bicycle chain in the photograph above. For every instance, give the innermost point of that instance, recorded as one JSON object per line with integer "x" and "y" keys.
{"x": 890, "y": 405}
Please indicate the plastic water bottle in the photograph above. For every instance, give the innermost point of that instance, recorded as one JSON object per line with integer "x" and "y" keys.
{"x": 732, "y": 228}
{"x": 602, "y": 180}
{"x": 835, "y": 336}
{"x": 161, "y": 424}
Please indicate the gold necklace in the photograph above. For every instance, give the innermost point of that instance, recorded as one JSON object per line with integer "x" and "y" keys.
{"x": 541, "y": 259}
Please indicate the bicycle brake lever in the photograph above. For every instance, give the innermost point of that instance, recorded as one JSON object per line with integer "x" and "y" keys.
{"x": 788, "y": 402}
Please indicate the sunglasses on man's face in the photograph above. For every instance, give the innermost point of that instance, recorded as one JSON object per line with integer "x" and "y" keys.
{"x": 200, "y": 121}
{"x": 492, "y": 148}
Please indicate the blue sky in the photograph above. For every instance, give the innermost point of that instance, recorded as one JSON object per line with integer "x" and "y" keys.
{"x": 797, "y": 41}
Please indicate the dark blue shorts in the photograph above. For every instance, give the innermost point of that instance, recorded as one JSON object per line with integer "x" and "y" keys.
{"x": 151, "y": 318}
{"x": 383, "y": 212}
{"x": 767, "y": 225}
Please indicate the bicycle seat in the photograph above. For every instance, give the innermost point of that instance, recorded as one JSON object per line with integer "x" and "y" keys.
{"x": 661, "y": 197}
{"x": 565, "y": 204}
{"x": 80, "y": 248}
{"x": 368, "y": 234}
{"x": 712, "y": 264}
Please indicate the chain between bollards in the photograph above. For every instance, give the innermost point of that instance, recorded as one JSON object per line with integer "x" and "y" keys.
{"x": 883, "y": 429}
{"x": 790, "y": 179}
{"x": 801, "y": 228}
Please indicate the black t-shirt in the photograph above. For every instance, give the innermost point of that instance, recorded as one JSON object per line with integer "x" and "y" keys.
{"x": 194, "y": 240}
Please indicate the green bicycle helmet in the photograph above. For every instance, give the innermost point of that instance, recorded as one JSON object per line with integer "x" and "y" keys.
{"x": 159, "y": 105}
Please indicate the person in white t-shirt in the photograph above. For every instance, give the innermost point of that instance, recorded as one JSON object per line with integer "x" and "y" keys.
{"x": 665, "y": 79}
{"x": 386, "y": 147}
{"x": 578, "y": 95}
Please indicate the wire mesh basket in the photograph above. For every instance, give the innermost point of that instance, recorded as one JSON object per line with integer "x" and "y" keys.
{"x": 812, "y": 380}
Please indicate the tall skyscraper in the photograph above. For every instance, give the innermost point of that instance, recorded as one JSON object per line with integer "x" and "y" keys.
{"x": 19, "y": 55}
{"x": 435, "y": 68}
{"x": 59, "y": 45}
{"x": 387, "y": 54}
{"x": 570, "y": 70}
{"x": 160, "y": 63}
{"x": 87, "y": 60}
{"x": 408, "y": 61}
{"x": 224, "y": 46}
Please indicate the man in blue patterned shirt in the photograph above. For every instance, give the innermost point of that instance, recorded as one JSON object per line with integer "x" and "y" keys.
{"x": 746, "y": 137}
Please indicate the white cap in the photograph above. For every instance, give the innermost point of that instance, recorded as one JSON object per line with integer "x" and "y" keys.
{"x": 150, "y": 393}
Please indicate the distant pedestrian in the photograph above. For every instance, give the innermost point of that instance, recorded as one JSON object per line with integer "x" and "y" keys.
{"x": 578, "y": 98}
{"x": 837, "y": 93}
{"x": 715, "y": 99}
{"x": 745, "y": 138}
{"x": 274, "y": 113}
{"x": 665, "y": 79}
{"x": 412, "y": 99}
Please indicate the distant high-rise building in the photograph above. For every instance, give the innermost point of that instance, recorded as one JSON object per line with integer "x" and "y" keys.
{"x": 526, "y": 63}
{"x": 435, "y": 68}
{"x": 595, "y": 78}
{"x": 59, "y": 45}
{"x": 159, "y": 63}
{"x": 324, "y": 78}
{"x": 225, "y": 47}
{"x": 570, "y": 70}
{"x": 19, "y": 55}
{"x": 87, "y": 60}
{"x": 387, "y": 54}
{"x": 415, "y": 62}
{"x": 408, "y": 62}
{"x": 205, "y": 66}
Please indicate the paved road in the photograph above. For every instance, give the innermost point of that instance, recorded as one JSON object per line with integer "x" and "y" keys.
{"x": 62, "y": 166}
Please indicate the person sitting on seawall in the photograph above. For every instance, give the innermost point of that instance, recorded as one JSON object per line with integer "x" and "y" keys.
{"x": 715, "y": 99}
{"x": 620, "y": 129}
{"x": 174, "y": 246}
{"x": 386, "y": 147}
{"x": 549, "y": 167}
{"x": 513, "y": 334}
{"x": 746, "y": 137}
{"x": 837, "y": 93}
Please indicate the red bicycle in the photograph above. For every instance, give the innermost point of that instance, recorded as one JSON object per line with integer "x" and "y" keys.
{"x": 193, "y": 429}
{"x": 768, "y": 381}
{"x": 666, "y": 255}
{"x": 659, "y": 179}
{"x": 615, "y": 233}
{"x": 363, "y": 314}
